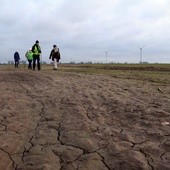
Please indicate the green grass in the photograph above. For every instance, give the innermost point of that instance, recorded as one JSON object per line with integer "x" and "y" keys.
{"x": 158, "y": 73}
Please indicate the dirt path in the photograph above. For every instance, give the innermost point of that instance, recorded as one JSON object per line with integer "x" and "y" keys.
{"x": 54, "y": 120}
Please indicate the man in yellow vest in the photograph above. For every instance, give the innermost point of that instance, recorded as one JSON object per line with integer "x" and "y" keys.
{"x": 36, "y": 49}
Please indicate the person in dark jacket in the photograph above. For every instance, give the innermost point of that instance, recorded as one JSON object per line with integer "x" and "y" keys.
{"x": 36, "y": 49}
{"x": 55, "y": 55}
{"x": 16, "y": 58}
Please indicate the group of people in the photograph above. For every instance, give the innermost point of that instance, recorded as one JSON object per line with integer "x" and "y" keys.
{"x": 33, "y": 55}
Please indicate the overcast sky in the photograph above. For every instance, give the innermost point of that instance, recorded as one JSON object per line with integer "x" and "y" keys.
{"x": 85, "y": 30}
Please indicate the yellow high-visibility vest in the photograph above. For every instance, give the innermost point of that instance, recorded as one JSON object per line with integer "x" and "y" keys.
{"x": 36, "y": 51}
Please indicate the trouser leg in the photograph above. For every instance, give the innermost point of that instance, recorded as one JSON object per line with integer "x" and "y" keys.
{"x": 29, "y": 65}
{"x": 36, "y": 58}
{"x": 55, "y": 63}
{"x": 34, "y": 62}
{"x": 16, "y": 63}
{"x": 38, "y": 62}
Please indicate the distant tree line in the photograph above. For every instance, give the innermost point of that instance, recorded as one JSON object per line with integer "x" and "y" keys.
{"x": 21, "y": 62}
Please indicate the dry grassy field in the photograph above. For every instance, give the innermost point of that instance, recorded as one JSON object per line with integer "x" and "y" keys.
{"x": 85, "y": 117}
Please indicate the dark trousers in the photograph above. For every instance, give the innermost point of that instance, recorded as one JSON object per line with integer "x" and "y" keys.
{"x": 16, "y": 63}
{"x": 29, "y": 64}
{"x": 36, "y": 58}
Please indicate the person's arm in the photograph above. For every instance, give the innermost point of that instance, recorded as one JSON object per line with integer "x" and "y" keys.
{"x": 33, "y": 48}
{"x": 51, "y": 53}
{"x": 26, "y": 54}
{"x": 59, "y": 56}
{"x": 39, "y": 49}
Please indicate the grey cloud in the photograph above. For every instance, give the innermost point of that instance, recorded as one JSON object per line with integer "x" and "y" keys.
{"x": 84, "y": 30}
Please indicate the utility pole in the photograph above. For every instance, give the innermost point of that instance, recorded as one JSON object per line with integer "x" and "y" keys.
{"x": 106, "y": 56}
{"x": 141, "y": 48}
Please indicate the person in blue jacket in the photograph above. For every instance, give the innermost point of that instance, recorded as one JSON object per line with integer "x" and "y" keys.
{"x": 16, "y": 58}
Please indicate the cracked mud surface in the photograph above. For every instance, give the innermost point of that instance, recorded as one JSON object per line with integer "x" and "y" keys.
{"x": 55, "y": 120}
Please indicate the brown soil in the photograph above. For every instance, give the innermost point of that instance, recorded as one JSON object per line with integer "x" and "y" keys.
{"x": 53, "y": 120}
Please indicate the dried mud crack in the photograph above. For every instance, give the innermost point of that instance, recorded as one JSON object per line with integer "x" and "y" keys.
{"x": 66, "y": 121}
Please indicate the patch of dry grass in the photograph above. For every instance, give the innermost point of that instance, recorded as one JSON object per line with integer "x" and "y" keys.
{"x": 157, "y": 73}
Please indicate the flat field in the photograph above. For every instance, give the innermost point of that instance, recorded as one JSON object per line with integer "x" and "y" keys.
{"x": 85, "y": 117}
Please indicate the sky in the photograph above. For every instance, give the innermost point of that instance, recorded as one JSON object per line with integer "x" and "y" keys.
{"x": 99, "y": 31}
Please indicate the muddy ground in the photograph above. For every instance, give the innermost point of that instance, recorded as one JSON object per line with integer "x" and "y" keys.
{"x": 52, "y": 120}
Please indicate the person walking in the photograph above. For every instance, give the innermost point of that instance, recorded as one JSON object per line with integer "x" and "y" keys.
{"x": 36, "y": 49}
{"x": 29, "y": 56}
{"x": 16, "y": 58}
{"x": 55, "y": 55}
